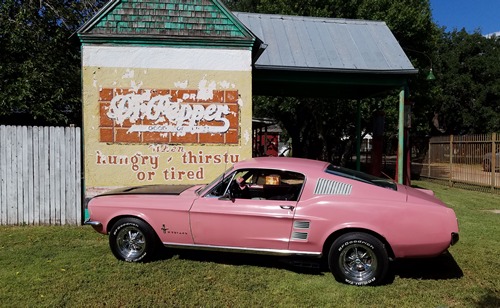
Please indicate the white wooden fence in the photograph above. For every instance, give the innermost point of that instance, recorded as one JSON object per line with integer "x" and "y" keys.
{"x": 40, "y": 175}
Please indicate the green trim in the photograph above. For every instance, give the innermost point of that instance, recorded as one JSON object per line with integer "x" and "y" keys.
{"x": 354, "y": 77}
{"x": 352, "y": 85}
{"x": 170, "y": 42}
{"x": 401, "y": 136}
{"x": 236, "y": 22}
{"x": 98, "y": 16}
{"x": 358, "y": 136}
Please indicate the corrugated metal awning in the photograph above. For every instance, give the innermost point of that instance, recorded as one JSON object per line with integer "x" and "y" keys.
{"x": 310, "y": 55}
{"x": 310, "y": 43}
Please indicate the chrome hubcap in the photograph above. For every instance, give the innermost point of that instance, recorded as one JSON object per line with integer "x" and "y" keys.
{"x": 358, "y": 262}
{"x": 130, "y": 242}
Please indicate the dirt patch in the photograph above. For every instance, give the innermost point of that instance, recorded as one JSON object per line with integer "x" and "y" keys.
{"x": 493, "y": 211}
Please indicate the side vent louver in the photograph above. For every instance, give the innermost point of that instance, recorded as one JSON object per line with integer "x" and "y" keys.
{"x": 299, "y": 235}
{"x": 329, "y": 187}
{"x": 301, "y": 224}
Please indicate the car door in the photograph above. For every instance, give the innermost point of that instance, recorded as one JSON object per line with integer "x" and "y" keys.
{"x": 255, "y": 223}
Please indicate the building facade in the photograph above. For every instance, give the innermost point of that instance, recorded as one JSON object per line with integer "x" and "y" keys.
{"x": 167, "y": 93}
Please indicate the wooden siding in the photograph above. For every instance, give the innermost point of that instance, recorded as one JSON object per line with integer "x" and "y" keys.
{"x": 40, "y": 175}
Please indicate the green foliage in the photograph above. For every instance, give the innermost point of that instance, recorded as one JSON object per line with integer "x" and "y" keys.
{"x": 49, "y": 266}
{"x": 468, "y": 76}
{"x": 242, "y": 5}
{"x": 40, "y": 80}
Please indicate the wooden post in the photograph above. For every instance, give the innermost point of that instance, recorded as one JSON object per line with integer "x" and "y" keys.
{"x": 429, "y": 159}
{"x": 401, "y": 138}
{"x": 358, "y": 136}
{"x": 493, "y": 160}
{"x": 450, "y": 181}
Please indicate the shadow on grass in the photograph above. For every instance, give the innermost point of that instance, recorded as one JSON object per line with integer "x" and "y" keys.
{"x": 439, "y": 268}
{"x": 489, "y": 300}
{"x": 298, "y": 265}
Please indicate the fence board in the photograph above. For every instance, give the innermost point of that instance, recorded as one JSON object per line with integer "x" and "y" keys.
{"x": 12, "y": 176}
{"x": 25, "y": 174}
{"x": 78, "y": 171}
{"x": 41, "y": 174}
{"x": 45, "y": 171}
{"x": 62, "y": 146}
{"x": 40, "y": 180}
{"x": 3, "y": 175}
{"x": 29, "y": 180}
{"x": 36, "y": 176}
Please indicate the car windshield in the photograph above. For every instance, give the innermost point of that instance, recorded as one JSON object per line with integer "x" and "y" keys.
{"x": 361, "y": 176}
{"x": 203, "y": 189}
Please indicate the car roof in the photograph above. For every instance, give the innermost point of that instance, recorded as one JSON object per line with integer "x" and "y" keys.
{"x": 302, "y": 165}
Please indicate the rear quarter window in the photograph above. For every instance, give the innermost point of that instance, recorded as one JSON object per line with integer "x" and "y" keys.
{"x": 361, "y": 177}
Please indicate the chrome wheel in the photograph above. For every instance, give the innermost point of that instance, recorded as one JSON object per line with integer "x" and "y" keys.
{"x": 130, "y": 242}
{"x": 358, "y": 262}
{"x": 358, "y": 258}
{"x": 133, "y": 240}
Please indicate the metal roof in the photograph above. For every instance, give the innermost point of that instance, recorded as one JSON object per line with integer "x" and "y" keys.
{"x": 326, "y": 44}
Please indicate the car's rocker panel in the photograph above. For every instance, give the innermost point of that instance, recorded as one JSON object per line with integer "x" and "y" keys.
{"x": 262, "y": 251}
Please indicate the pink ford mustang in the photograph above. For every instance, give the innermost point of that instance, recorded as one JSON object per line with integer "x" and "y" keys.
{"x": 284, "y": 206}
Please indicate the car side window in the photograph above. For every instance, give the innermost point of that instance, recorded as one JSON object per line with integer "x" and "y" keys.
{"x": 260, "y": 184}
{"x": 268, "y": 184}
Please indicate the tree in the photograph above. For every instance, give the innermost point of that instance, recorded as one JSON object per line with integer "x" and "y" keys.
{"x": 242, "y": 5}
{"x": 40, "y": 80}
{"x": 468, "y": 77}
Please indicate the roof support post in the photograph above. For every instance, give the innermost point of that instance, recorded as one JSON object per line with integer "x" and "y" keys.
{"x": 358, "y": 136}
{"x": 401, "y": 136}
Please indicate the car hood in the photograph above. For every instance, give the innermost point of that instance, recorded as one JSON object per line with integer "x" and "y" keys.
{"x": 149, "y": 190}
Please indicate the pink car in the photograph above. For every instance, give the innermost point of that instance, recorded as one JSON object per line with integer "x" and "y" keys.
{"x": 282, "y": 206}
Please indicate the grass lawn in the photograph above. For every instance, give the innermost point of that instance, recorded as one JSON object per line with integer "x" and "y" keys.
{"x": 73, "y": 266}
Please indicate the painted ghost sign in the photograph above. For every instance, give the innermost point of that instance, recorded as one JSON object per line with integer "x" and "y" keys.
{"x": 151, "y": 120}
{"x": 185, "y": 116}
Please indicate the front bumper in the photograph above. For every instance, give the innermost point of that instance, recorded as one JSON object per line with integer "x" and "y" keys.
{"x": 92, "y": 223}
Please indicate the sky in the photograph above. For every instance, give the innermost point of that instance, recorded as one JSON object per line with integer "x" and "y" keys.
{"x": 469, "y": 14}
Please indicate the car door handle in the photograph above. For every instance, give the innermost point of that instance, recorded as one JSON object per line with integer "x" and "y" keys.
{"x": 287, "y": 207}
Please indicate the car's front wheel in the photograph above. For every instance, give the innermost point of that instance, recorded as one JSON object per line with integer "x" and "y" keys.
{"x": 358, "y": 259}
{"x": 133, "y": 240}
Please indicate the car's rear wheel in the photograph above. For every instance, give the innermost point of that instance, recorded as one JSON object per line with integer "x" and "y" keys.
{"x": 133, "y": 240}
{"x": 358, "y": 259}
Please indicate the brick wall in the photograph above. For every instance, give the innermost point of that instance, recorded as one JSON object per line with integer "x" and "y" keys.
{"x": 113, "y": 132}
